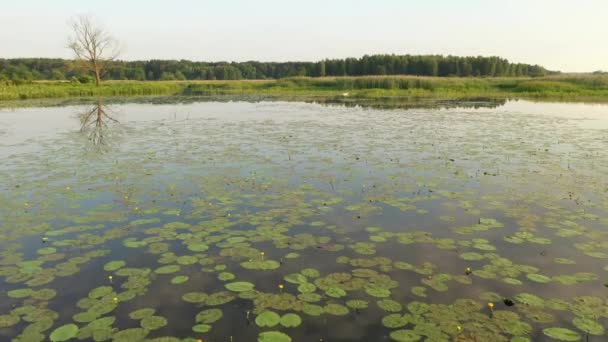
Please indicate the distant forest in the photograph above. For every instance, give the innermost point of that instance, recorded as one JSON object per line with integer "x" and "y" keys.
{"x": 30, "y": 69}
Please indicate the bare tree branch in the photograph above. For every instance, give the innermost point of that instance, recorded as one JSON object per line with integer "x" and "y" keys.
{"x": 93, "y": 46}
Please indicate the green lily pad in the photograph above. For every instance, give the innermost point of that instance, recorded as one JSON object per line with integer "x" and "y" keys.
{"x": 590, "y": 326}
{"x": 539, "y": 278}
{"x": 114, "y": 265}
{"x": 168, "y": 269}
{"x": 153, "y": 322}
{"x": 100, "y": 291}
{"x": 530, "y": 299}
{"x": 240, "y": 286}
{"x": 261, "y": 265}
{"x": 310, "y": 273}
{"x": 209, "y": 316}
{"x": 128, "y": 335}
{"x": 296, "y": 278}
{"x": 8, "y": 320}
{"x": 226, "y": 276}
{"x": 20, "y": 293}
{"x": 47, "y": 250}
{"x": 198, "y": 247}
{"x": 291, "y": 320}
{"x": 389, "y": 305}
{"x": 562, "y": 334}
{"x": 335, "y": 292}
{"x": 378, "y": 292}
{"x": 273, "y": 336}
{"x": 336, "y": 309}
{"x": 471, "y": 256}
{"x": 395, "y": 321}
{"x": 405, "y": 335}
{"x": 201, "y": 328}
{"x": 307, "y": 288}
{"x": 357, "y": 304}
{"x": 267, "y": 319}
{"x": 220, "y": 298}
{"x": 177, "y": 280}
{"x": 195, "y": 297}
{"x": 142, "y": 313}
{"x": 64, "y": 333}
{"x": 84, "y": 317}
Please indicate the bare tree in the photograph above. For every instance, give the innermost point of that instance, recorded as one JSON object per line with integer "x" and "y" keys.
{"x": 92, "y": 45}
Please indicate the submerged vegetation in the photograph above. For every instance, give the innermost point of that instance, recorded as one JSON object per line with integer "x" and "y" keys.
{"x": 303, "y": 222}
{"x": 566, "y": 87}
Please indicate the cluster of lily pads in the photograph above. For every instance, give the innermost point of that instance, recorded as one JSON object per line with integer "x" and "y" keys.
{"x": 218, "y": 229}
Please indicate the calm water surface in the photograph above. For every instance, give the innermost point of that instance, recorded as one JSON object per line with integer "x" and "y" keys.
{"x": 279, "y": 221}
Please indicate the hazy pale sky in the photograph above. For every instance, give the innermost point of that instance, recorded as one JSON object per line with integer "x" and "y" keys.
{"x": 567, "y": 35}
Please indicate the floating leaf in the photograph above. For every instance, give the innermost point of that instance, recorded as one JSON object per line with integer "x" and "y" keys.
{"x": 357, "y": 304}
{"x": 405, "y": 336}
{"x": 8, "y": 320}
{"x": 395, "y": 321}
{"x": 240, "y": 286}
{"x": 562, "y": 334}
{"x": 168, "y": 269}
{"x": 142, "y": 313}
{"x": 335, "y": 292}
{"x": 291, "y": 320}
{"x": 64, "y": 333}
{"x": 153, "y": 322}
{"x": 588, "y": 325}
{"x": 20, "y": 293}
{"x": 336, "y": 309}
{"x": 179, "y": 280}
{"x": 209, "y": 316}
{"x": 389, "y": 305}
{"x": 539, "y": 278}
{"x": 195, "y": 297}
{"x": 201, "y": 328}
{"x": 267, "y": 319}
{"x": 114, "y": 265}
{"x": 273, "y": 336}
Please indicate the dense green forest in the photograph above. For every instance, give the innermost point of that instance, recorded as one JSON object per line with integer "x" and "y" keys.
{"x": 29, "y": 69}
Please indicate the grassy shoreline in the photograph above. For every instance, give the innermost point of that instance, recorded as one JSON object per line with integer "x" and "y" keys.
{"x": 561, "y": 88}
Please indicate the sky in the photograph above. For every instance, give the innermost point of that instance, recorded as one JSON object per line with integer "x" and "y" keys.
{"x": 565, "y": 35}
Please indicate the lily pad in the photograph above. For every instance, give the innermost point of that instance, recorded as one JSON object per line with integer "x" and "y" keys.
{"x": 539, "y": 278}
{"x": 142, "y": 313}
{"x": 240, "y": 286}
{"x": 336, "y": 309}
{"x": 20, "y": 293}
{"x": 114, "y": 265}
{"x": 562, "y": 334}
{"x": 153, "y": 322}
{"x": 8, "y": 320}
{"x": 389, "y": 305}
{"x": 267, "y": 319}
{"x": 291, "y": 320}
{"x": 179, "y": 280}
{"x": 64, "y": 333}
{"x": 405, "y": 336}
{"x": 273, "y": 336}
{"x": 201, "y": 328}
{"x": 209, "y": 316}
{"x": 590, "y": 326}
{"x": 167, "y": 269}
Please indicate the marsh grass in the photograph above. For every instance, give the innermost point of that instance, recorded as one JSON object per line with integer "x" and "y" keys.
{"x": 564, "y": 87}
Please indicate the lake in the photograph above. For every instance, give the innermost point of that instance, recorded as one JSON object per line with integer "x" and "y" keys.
{"x": 280, "y": 221}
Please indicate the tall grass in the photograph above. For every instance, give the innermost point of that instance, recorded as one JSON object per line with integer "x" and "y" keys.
{"x": 573, "y": 87}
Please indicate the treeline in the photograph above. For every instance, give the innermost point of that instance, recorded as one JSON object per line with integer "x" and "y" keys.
{"x": 29, "y": 69}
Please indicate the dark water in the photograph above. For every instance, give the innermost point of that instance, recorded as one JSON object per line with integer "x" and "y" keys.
{"x": 426, "y": 215}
